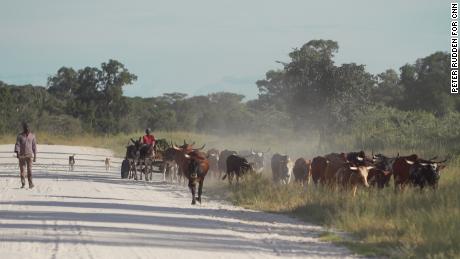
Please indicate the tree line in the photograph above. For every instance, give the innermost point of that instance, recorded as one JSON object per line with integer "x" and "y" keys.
{"x": 308, "y": 93}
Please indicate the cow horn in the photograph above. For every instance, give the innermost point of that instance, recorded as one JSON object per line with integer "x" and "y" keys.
{"x": 409, "y": 162}
{"x": 132, "y": 140}
{"x": 353, "y": 168}
{"x": 360, "y": 158}
{"x": 192, "y": 143}
{"x": 185, "y": 143}
{"x": 433, "y": 158}
{"x": 176, "y": 147}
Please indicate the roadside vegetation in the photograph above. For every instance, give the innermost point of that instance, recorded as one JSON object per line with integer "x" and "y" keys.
{"x": 412, "y": 224}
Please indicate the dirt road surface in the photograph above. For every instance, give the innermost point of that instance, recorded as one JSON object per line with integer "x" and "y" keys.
{"x": 91, "y": 213}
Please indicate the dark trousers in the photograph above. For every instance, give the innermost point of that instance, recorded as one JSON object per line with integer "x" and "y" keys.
{"x": 25, "y": 162}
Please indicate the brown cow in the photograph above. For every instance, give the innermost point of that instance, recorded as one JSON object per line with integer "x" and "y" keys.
{"x": 187, "y": 147}
{"x": 336, "y": 161}
{"x": 401, "y": 168}
{"x": 197, "y": 170}
{"x": 318, "y": 169}
{"x": 351, "y": 176}
{"x": 171, "y": 154}
{"x": 192, "y": 164}
{"x": 302, "y": 171}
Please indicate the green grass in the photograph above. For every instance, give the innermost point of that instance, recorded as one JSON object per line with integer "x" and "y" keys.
{"x": 413, "y": 224}
{"x": 354, "y": 245}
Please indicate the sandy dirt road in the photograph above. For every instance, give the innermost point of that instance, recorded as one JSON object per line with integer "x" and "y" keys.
{"x": 90, "y": 213}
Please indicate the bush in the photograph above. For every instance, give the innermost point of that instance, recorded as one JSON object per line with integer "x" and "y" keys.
{"x": 384, "y": 128}
{"x": 58, "y": 125}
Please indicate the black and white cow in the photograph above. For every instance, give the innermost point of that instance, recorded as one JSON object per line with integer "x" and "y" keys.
{"x": 424, "y": 173}
{"x": 255, "y": 158}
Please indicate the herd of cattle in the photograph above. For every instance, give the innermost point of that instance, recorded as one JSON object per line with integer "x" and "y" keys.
{"x": 336, "y": 170}
{"x": 344, "y": 170}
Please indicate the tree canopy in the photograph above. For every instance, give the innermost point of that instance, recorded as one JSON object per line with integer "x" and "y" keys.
{"x": 308, "y": 92}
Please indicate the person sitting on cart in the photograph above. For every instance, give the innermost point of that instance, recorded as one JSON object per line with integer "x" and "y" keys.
{"x": 149, "y": 140}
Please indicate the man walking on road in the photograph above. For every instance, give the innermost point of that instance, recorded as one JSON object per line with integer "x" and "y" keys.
{"x": 26, "y": 150}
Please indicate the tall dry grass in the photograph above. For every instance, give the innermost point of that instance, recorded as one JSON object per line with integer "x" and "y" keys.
{"x": 118, "y": 142}
{"x": 414, "y": 224}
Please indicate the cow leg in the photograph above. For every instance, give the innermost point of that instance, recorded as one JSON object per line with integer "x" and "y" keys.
{"x": 167, "y": 172}
{"x": 173, "y": 174}
{"x": 200, "y": 190}
{"x": 355, "y": 187}
{"x": 403, "y": 187}
{"x": 192, "y": 186}
{"x": 177, "y": 174}
{"x": 184, "y": 179}
{"x": 230, "y": 178}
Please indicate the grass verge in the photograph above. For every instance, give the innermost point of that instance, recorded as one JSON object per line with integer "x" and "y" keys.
{"x": 413, "y": 224}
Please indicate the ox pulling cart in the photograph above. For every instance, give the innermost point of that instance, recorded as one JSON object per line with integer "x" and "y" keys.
{"x": 144, "y": 160}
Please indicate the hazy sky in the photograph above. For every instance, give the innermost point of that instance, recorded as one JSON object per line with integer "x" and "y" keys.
{"x": 199, "y": 46}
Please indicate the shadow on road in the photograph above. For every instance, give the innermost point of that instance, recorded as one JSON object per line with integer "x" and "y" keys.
{"x": 107, "y": 221}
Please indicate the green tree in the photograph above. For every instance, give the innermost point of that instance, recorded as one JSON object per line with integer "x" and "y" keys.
{"x": 426, "y": 85}
{"x": 316, "y": 93}
{"x": 388, "y": 90}
{"x": 94, "y": 95}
